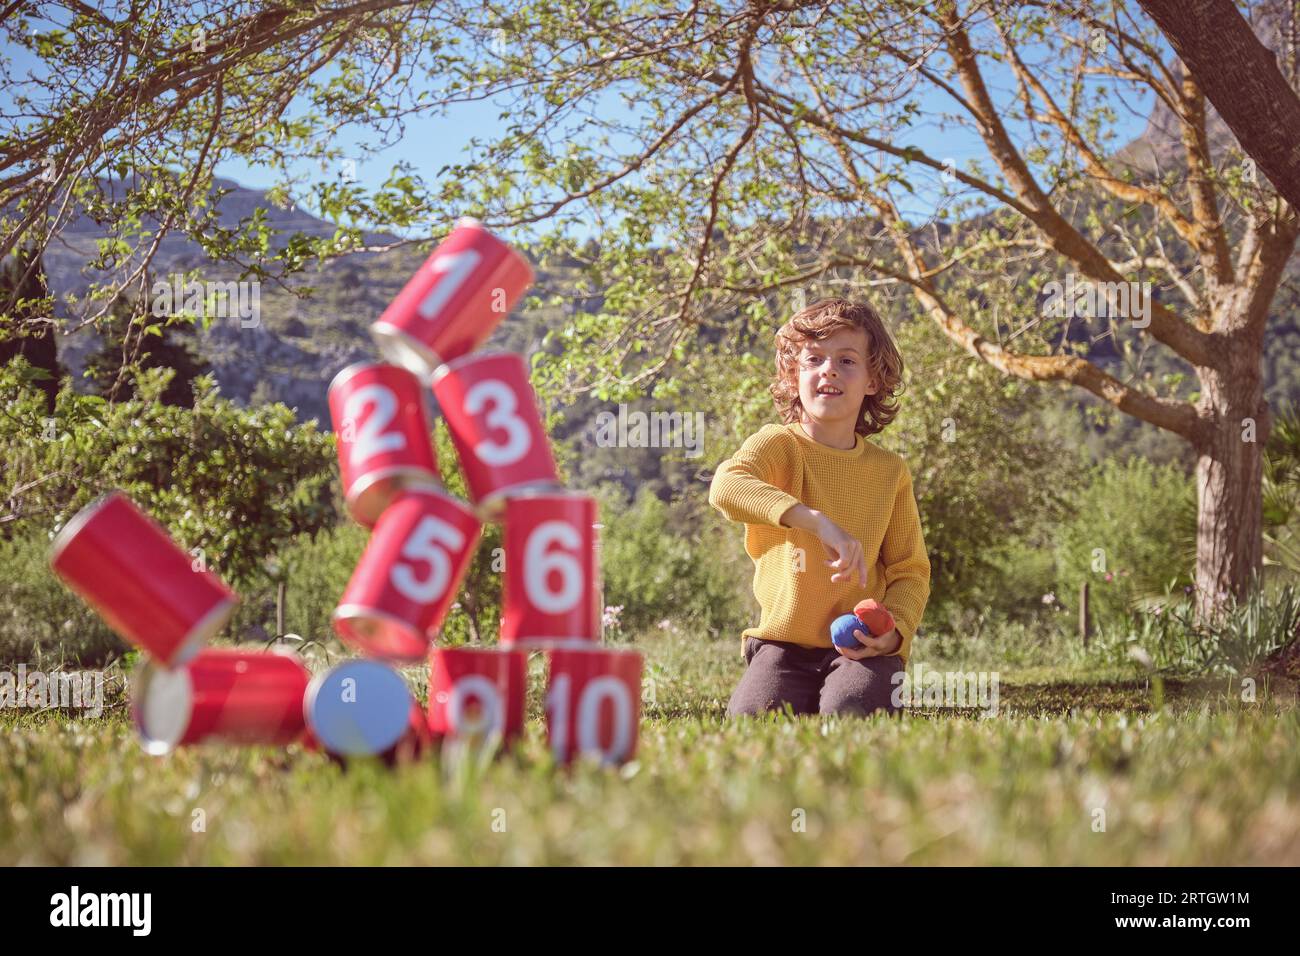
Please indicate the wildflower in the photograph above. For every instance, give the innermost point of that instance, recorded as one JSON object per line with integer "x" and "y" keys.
{"x": 1049, "y": 598}
{"x": 610, "y": 617}
{"x": 1109, "y": 576}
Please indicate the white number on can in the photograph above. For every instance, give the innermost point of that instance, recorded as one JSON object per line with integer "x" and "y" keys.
{"x": 539, "y": 563}
{"x": 455, "y": 268}
{"x": 595, "y": 692}
{"x": 371, "y": 438}
{"x": 502, "y": 405}
{"x": 423, "y": 545}
{"x": 491, "y": 717}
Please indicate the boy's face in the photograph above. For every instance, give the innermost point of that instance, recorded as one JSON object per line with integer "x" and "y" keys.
{"x": 833, "y": 376}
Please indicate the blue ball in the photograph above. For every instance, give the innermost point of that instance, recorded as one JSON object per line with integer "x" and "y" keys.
{"x": 842, "y": 629}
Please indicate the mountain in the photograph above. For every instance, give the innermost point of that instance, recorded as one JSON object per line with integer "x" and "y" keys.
{"x": 300, "y": 341}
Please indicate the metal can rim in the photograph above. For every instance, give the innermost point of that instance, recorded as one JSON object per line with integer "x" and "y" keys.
{"x": 78, "y": 521}
{"x": 348, "y": 371}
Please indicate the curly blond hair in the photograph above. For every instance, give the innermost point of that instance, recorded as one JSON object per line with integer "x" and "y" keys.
{"x": 819, "y": 321}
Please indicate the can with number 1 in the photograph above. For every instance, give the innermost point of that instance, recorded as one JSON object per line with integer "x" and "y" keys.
{"x": 450, "y": 307}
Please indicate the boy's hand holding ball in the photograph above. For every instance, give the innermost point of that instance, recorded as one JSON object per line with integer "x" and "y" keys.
{"x": 868, "y": 632}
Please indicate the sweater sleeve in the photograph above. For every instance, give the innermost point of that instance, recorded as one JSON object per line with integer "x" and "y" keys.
{"x": 750, "y": 485}
{"x": 907, "y": 565}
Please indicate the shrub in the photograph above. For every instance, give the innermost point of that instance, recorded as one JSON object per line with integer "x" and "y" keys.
{"x": 1167, "y": 637}
{"x": 1130, "y": 534}
{"x": 41, "y": 621}
{"x": 237, "y": 483}
{"x": 672, "y": 561}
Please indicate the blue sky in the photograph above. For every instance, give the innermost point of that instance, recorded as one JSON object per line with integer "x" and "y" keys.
{"x": 434, "y": 141}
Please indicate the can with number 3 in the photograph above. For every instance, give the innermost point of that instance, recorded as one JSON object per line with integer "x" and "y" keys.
{"x": 496, "y": 427}
{"x": 409, "y": 574}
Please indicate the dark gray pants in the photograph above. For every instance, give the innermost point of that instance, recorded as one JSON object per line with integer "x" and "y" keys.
{"x": 813, "y": 680}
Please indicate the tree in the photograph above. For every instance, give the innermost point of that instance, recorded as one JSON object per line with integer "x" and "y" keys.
{"x": 777, "y": 154}
{"x": 23, "y": 294}
{"x": 1241, "y": 78}
{"x": 766, "y": 148}
{"x": 141, "y": 341}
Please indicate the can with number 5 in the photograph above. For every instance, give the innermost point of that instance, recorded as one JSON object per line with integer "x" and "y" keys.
{"x": 383, "y": 436}
{"x": 409, "y": 574}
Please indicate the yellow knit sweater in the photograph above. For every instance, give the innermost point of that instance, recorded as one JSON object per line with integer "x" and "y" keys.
{"x": 865, "y": 490}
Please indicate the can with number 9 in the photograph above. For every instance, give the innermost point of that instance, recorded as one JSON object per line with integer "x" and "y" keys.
{"x": 408, "y": 575}
{"x": 550, "y": 594}
{"x": 383, "y": 436}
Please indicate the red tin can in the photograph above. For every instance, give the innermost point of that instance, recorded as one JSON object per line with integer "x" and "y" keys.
{"x": 496, "y": 427}
{"x": 593, "y": 703}
{"x": 550, "y": 592}
{"x": 126, "y": 567}
{"x": 477, "y": 693}
{"x": 409, "y": 574}
{"x": 363, "y": 708}
{"x": 451, "y": 306}
{"x": 383, "y": 436}
{"x": 223, "y": 694}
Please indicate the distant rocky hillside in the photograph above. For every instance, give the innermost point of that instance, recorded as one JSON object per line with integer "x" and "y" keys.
{"x": 301, "y": 342}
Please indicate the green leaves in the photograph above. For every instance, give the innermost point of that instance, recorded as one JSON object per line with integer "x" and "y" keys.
{"x": 236, "y": 482}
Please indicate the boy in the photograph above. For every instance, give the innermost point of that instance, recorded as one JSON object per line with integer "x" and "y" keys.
{"x": 816, "y": 484}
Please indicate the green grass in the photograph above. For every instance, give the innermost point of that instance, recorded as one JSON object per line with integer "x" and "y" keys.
{"x": 1206, "y": 779}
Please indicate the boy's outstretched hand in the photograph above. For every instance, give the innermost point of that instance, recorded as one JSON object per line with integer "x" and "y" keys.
{"x": 849, "y": 561}
{"x": 886, "y": 643}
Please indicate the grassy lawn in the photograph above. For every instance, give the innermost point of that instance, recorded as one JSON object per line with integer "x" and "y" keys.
{"x": 1206, "y": 779}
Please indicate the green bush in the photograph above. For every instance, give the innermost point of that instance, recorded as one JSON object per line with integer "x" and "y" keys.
{"x": 674, "y": 562}
{"x": 1167, "y": 637}
{"x": 235, "y": 482}
{"x": 1130, "y": 535}
{"x": 41, "y": 621}
{"x": 987, "y": 476}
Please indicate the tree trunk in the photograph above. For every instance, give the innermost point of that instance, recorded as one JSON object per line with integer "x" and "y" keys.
{"x": 1229, "y": 478}
{"x": 1240, "y": 76}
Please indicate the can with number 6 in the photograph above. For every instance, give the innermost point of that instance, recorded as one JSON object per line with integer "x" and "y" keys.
{"x": 383, "y": 436}
{"x": 550, "y": 594}
{"x": 408, "y": 575}
{"x": 496, "y": 427}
